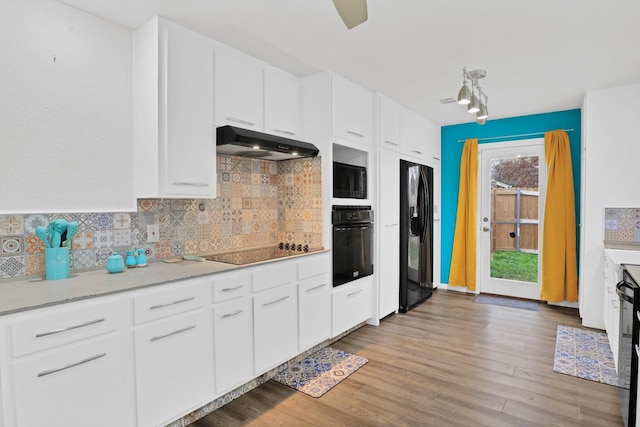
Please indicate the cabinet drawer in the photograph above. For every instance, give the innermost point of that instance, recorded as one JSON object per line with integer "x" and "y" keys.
{"x": 278, "y": 274}
{"x": 313, "y": 266}
{"x": 79, "y": 385}
{"x": 63, "y": 324}
{"x": 228, "y": 286}
{"x": 174, "y": 299}
{"x": 352, "y": 304}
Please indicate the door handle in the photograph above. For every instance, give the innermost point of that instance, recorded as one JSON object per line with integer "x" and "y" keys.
{"x": 486, "y": 229}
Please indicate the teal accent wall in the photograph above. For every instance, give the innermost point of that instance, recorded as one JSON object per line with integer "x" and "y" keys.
{"x": 452, "y": 150}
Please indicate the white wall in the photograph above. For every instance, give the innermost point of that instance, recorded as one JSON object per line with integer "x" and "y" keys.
{"x": 65, "y": 110}
{"x": 611, "y": 152}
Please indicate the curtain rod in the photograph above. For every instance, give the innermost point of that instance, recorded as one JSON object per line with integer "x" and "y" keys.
{"x": 513, "y": 136}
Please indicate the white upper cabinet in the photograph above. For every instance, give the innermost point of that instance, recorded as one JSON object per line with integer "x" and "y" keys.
{"x": 389, "y": 123}
{"x": 239, "y": 89}
{"x": 174, "y": 140}
{"x": 281, "y": 103}
{"x": 351, "y": 111}
{"x": 420, "y": 137}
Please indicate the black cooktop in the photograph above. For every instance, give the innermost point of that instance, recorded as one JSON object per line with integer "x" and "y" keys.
{"x": 261, "y": 254}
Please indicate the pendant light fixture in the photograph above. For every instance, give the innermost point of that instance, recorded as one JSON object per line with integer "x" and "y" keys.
{"x": 474, "y": 103}
{"x": 464, "y": 96}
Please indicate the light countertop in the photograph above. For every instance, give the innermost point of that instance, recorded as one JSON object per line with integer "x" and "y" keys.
{"x": 31, "y": 292}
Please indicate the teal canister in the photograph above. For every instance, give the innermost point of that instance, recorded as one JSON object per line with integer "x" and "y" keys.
{"x": 131, "y": 259}
{"x": 56, "y": 263}
{"x": 115, "y": 263}
{"x": 142, "y": 258}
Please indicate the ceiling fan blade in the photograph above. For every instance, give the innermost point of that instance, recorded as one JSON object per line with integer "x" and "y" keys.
{"x": 352, "y": 12}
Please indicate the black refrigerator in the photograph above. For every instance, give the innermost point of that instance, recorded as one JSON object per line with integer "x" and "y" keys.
{"x": 416, "y": 234}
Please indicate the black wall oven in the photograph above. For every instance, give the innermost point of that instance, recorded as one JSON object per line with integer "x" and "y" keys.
{"x": 352, "y": 243}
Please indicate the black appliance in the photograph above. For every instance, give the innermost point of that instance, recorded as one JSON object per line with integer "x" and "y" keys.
{"x": 629, "y": 294}
{"x": 250, "y": 256}
{"x": 352, "y": 243}
{"x": 416, "y": 234}
{"x": 236, "y": 141}
{"x": 349, "y": 181}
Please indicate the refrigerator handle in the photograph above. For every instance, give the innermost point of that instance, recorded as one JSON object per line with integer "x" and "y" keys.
{"x": 424, "y": 207}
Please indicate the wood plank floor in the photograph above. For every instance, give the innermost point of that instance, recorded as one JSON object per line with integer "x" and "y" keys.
{"x": 449, "y": 362}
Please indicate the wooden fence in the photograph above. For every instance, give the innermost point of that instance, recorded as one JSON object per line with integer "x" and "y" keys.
{"x": 514, "y": 219}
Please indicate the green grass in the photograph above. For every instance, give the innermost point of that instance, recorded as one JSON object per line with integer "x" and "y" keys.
{"x": 514, "y": 266}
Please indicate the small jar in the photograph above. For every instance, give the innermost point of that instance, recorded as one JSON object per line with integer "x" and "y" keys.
{"x": 142, "y": 259}
{"x": 115, "y": 263}
{"x": 131, "y": 259}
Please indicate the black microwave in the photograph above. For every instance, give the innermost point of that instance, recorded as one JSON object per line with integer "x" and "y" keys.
{"x": 349, "y": 181}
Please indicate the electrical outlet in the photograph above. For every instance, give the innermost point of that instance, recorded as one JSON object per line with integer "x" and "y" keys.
{"x": 153, "y": 233}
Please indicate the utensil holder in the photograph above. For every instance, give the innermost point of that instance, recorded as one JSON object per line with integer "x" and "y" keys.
{"x": 56, "y": 263}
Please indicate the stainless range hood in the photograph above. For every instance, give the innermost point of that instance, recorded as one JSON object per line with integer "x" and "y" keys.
{"x": 235, "y": 141}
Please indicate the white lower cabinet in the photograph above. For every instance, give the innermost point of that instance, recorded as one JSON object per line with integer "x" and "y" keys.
{"x": 83, "y": 384}
{"x": 174, "y": 366}
{"x": 275, "y": 326}
{"x": 352, "y": 304}
{"x": 233, "y": 332}
{"x": 314, "y": 306}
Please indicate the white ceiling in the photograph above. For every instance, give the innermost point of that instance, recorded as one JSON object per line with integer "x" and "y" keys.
{"x": 540, "y": 56}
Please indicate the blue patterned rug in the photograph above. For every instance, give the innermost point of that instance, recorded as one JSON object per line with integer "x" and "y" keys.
{"x": 585, "y": 354}
{"x": 321, "y": 371}
{"x": 507, "y": 302}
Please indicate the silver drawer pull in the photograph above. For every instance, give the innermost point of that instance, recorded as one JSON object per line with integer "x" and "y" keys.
{"x": 53, "y": 371}
{"x": 416, "y": 151}
{"x": 286, "y": 132}
{"x": 57, "y": 331}
{"x": 391, "y": 225}
{"x": 354, "y": 293}
{"x": 395, "y": 144}
{"x": 435, "y": 158}
{"x": 637, "y": 350}
{"x": 237, "y": 120}
{"x": 275, "y": 301}
{"x": 232, "y": 288}
{"x": 316, "y": 287}
{"x": 192, "y": 184}
{"x": 159, "y": 337}
{"x": 153, "y": 307}
{"x": 233, "y": 313}
{"x": 359, "y": 135}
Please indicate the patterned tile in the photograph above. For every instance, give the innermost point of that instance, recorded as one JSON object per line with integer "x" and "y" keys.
{"x": 11, "y": 246}
{"x": 32, "y": 221}
{"x": 12, "y": 266}
{"x": 121, "y": 221}
{"x": 122, "y": 237}
{"x": 34, "y": 264}
{"x": 103, "y": 221}
{"x": 103, "y": 239}
{"x": 33, "y": 245}
{"x": 11, "y": 225}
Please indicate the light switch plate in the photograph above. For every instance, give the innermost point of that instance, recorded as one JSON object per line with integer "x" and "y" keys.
{"x": 153, "y": 233}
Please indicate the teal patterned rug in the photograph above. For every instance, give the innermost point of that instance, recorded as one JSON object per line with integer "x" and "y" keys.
{"x": 585, "y": 354}
{"x": 321, "y": 371}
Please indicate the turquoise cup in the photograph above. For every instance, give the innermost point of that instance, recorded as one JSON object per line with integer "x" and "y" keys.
{"x": 56, "y": 263}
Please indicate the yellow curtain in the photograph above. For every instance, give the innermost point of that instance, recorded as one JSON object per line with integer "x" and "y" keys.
{"x": 559, "y": 265}
{"x": 463, "y": 258}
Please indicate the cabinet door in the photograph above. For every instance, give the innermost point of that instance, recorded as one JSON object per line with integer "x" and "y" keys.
{"x": 233, "y": 326}
{"x": 414, "y": 135}
{"x": 79, "y": 385}
{"x": 239, "y": 89}
{"x": 351, "y": 111}
{"x": 314, "y": 306}
{"x": 187, "y": 75}
{"x": 281, "y": 103}
{"x": 351, "y": 304}
{"x": 389, "y": 234}
{"x": 174, "y": 366}
{"x": 275, "y": 326}
{"x": 389, "y": 123}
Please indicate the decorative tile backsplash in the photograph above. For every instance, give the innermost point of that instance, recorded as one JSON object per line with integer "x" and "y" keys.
{"x": 622, "y": 225}
{"x": 258, "y": 202}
